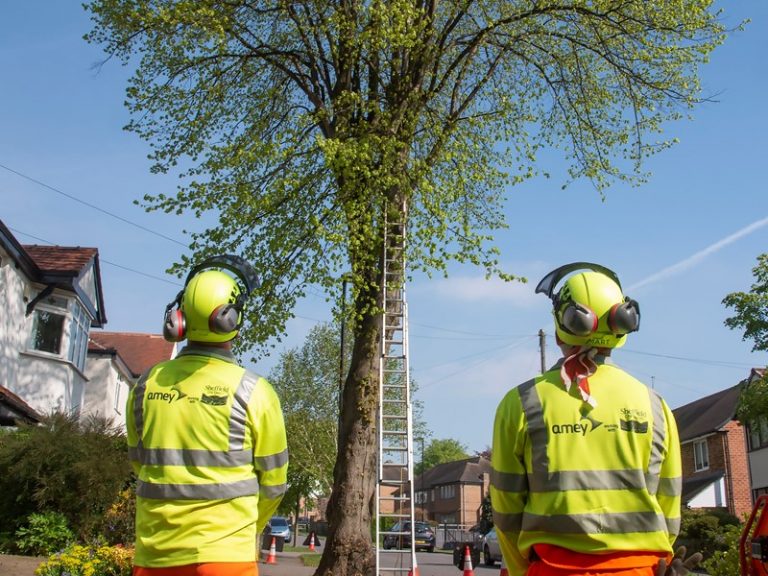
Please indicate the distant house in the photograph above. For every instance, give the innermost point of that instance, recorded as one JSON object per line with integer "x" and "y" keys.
{"x": 453, "y": 492}
{"x": 51, "y": 297}
{"x": 115, "y": 362}
{"x": 757, "y": 442}
{"x": 714, "y": 452}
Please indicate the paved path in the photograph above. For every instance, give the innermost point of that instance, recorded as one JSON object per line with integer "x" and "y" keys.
{"x": 288, "y": 564}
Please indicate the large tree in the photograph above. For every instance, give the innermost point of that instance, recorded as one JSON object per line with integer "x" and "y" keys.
{"x": 751, "y": 315}
{"x": 307, "y": 126}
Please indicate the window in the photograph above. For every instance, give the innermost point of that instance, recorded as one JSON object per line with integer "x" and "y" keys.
{"x": 118, "y": 400}
{"x": 700, "y": 455}
{"x": 78, "y": 335}
{"x": 758, "y": 433}
{"x": 47, "y": 331}
{"x": 447, "y": 492}
{"x": 60, "y": 322}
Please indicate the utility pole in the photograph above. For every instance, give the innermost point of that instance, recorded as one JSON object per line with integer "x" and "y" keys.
{"x": 541, "y": 351}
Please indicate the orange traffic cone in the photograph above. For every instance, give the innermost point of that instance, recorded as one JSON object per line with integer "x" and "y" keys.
{"x": 272, "y": 556}
{"x": 468, "y": 562}
{"x": 312, "y": 541}
{"x": 504, "y": 571}
{"x": 414, "y": 571}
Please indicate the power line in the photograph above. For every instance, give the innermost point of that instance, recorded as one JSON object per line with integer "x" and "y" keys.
{"x": 145, "y": 274}
{"x": 92, "y": 206}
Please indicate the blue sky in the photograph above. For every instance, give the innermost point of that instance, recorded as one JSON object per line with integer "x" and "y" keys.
{"x": 680, "y": 243}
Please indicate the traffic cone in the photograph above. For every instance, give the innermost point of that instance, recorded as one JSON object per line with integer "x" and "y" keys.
{"x": 504, "y": 571}
{"x": 414, "y": 571}
{"x": 311, "y": 541}
{"x": 468, "y": 562}
{"x": 272, "y": 556}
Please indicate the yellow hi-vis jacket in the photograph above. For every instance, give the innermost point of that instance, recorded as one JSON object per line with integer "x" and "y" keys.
{"x": 207, "y": 441}
{"x": 591, "y": 480}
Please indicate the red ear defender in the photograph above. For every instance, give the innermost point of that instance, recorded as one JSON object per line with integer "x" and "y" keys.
{"x": 624, "y": 317}
{"x": 578, "y": 319}
{"x": 174, "y": 326}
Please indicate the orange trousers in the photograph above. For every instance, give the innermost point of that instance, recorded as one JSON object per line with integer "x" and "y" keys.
{"x": 206, "y": 569}
{"x": 557, "y": 561}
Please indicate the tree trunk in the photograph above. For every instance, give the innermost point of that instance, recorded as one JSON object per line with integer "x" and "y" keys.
{"x": 348, "y": 550}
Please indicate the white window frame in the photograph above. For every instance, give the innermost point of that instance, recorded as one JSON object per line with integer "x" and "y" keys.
{"x": 700, "y": 455}
{"x": 118, "y": 400}
{"x": 75, "y": 329}
{"x": 53, "y": 305}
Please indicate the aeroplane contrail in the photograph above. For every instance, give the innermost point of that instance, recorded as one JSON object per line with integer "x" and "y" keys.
{"x": 698, "y": 256}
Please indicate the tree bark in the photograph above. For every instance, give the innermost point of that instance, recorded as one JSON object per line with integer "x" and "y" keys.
{"x": 349, "y": 550}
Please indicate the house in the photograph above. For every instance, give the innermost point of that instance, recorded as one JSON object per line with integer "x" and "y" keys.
{"x": 13, "y": 410}
{"x": 115, "y": 362}
{"x": 51, "y": 297}
{"x": 714, "y": 453}
{"x": 757, "y": 443}
{"x": 453, "y": 492}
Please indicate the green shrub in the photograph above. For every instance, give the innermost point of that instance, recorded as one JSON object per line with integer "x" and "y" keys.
{"x": 89, "y": 561}
{"x": 725, "y": 562}
{"x": 44, "y": 534}
{"x": 702, "y": 530}
{"x": 72, "y": 467}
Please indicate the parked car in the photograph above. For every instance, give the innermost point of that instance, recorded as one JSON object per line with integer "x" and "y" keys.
{"x": 491, "y": 548}
{"x": 399, "y": 536}
{"x": 279, "y": 526}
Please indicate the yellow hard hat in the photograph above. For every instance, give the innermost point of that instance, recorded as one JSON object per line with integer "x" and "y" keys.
{"x": 590, "y": 308}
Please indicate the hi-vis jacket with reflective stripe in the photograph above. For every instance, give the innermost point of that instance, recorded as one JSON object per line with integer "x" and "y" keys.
{"x": 592, "y": 480}
{"x": 207, "y": 441}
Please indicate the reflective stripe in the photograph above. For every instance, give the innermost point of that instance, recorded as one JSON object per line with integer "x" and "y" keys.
{"x": 219, "y": 491}
{"x": 588, "y": 480}
{"x": 138, "y": 413}
{"x": 181, "y": 457}
{"x": 671, "y": 486}
{"x": 234, "y": 456}
{"x": 673, "y": 525}
{"x": 537, "y": 430}
{"x": 657, "y": 442}
{"x": 509, "y": 481}
{"x": 541, "y": 479}
{"x": 618, "y": 523}
{"x": 273, "y": 492}
{"x": 272, "y": 461}
{"x": 508, "y": 522}
{"x": 238, "y": 417}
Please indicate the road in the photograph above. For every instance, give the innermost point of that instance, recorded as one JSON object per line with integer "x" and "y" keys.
{"x": 435, "y": 564}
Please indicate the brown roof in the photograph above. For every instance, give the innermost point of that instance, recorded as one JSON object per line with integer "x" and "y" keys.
{"x": 13, "y": 408}
{"x": 139, "y": 351}
{"x": 60, "y": 259}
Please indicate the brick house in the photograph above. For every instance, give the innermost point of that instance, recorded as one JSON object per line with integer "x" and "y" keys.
{"x": 757, "y": 441}
{"x": 716, "y": 471}
{"x": 453, "y": 492}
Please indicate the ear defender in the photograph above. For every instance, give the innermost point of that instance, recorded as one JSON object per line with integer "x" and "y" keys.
{"x": 174, "y": 325}
{"x": 578, "y": 319}
{"x": 225, "y": 318}
{"x": 624, "y": 317}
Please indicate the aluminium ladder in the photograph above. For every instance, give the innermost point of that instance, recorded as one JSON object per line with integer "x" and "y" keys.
{"x": 394, "y": 488}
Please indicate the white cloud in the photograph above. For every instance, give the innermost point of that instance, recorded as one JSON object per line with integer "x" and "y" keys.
{"x": 480, "y": 289}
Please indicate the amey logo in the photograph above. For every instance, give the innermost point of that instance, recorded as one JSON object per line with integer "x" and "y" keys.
{"x": 586, "y": 424}
{"x": 171, "y": 396}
